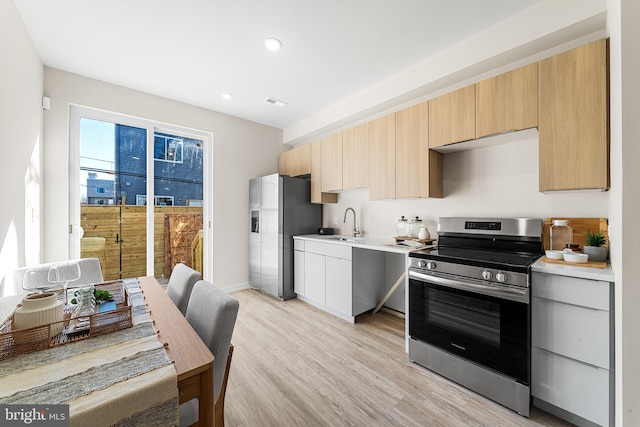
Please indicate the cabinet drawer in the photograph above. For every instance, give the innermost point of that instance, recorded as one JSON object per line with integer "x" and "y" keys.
{"x": 298, "y": 244}
{"x": 572, "y": 290}
{"x": 576, "y": 332}
{"x": 328, "y": 249}
{"x": 573, "y": 386}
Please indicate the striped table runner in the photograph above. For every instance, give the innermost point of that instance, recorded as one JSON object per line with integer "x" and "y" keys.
{"x": 122, "y": 378}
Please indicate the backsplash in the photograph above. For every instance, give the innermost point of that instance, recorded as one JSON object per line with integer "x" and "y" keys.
{"x": 497, "y": 181}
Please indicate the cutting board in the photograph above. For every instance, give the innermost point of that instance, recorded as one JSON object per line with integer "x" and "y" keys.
{"x": 591, "y": 264}
{"x": 410, "y": 248}
{"x": 579, "y": 225}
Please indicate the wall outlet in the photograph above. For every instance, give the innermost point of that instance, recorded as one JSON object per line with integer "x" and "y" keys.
{"x": 335, "y": 220}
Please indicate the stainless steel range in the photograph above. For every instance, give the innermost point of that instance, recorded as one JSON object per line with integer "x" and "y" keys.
{"x": 469, "y": 305}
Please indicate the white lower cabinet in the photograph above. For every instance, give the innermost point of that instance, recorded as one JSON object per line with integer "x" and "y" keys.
{"x": 338, "y": 285}
{"x": 314, "y": 277}
{"x": 327, "y": 277}
{"x": 344, "y": 280}
{"x": 329, "y": 280}
{"x": 572, "y": 346}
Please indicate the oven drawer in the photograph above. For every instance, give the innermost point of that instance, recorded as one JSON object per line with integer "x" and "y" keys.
{"x": 570, "y": 385}
{"x": 576, "y": 332}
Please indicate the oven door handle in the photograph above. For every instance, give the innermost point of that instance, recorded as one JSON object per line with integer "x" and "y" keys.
{"x": 512, "y": 294}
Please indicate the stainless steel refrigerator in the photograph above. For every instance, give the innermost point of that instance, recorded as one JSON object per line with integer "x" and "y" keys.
{"x": 279, "y": 208}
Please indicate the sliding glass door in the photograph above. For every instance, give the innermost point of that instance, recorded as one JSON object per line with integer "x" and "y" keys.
{"x": 138, "y": 194}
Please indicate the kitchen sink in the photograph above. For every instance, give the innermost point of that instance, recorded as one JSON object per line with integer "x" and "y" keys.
{"x": 345, "y": 239}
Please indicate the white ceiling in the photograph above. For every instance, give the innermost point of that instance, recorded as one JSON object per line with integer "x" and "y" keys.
{"x": 193, "y": 50}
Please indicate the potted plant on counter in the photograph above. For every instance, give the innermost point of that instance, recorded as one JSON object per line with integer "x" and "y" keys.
{"x": 594, "y": 246}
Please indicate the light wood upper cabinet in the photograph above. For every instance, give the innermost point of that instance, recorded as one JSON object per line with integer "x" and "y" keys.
{"x": 507, "y": 102}
{"x": 382, "y": 156}
{"x": 283, "y": 162}
{"x": 295, "y": 162}
{"x": 418, "y": 169}
{"x": 573, "y": 129}
{"x": 317, "y": 196}
{"x": 332, "y": 163}
{"x": 452, "y": 117}
{"x": 302, "y": 160}
{"x": 355, "y": 158}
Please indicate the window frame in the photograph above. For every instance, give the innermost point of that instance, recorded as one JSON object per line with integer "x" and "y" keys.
{"x": 76, "y": 113}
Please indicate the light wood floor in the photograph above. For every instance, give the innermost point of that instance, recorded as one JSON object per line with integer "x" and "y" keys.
{"x": 294, "y": 365}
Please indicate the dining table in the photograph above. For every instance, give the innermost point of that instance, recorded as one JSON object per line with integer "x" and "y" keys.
{"x": 192, "y": 359}
{"x": 133, "y": 376}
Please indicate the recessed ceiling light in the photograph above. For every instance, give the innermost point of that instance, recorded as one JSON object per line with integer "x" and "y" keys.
{"x": 226, "y": 95}
{"x": 273, "y": 44}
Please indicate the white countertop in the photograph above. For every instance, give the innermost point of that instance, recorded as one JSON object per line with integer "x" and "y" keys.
{"x": 373, "y": 243}
{"x": 382, "y": 244}
{"x": 604, "y": 274}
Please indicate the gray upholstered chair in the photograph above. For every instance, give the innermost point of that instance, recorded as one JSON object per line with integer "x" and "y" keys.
{"x": 180, "y": 285}
{"x": 212, "y": 313}
{"x": 90, "y": 273}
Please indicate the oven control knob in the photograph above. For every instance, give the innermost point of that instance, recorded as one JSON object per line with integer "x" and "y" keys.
{"x": 501, "y": 277}
{"x": 486, "y": 275}
{"x": 431, "y": 265}
{"x": 422, "y": 264}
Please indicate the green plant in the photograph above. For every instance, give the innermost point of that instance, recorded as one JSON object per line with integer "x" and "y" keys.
{"x": 595, "y": 239}
{"x": 101, "y": 295}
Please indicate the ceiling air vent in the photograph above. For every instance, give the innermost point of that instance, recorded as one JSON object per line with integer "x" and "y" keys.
{"x": 276, "y": 102}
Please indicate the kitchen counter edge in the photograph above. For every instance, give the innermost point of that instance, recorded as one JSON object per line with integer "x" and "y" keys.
{"x": 372, "y": 243}
{"x": 603, "y": 274}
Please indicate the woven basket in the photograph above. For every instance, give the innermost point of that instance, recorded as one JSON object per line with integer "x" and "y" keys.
{"x": 14, "y": 342}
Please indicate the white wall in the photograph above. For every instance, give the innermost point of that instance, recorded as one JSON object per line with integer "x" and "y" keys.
{"x": 21, "y": 124}
{"x": 622, "y": 26}
{"x": 627, "y": 264}
{"x": 497, "y": 181}
{"x": 242, "y": 150}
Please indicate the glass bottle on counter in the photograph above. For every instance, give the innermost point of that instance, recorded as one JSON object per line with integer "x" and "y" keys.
{"x": 402, "y": 227}
{"x": 560, "y": 233}
{"x": 415, "y": 226}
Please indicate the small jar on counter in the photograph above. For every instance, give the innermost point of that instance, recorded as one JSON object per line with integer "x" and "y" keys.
{"x": 402, "y": 227}
{"x": 560, "y": 234}
{"x": 415, "y": 226}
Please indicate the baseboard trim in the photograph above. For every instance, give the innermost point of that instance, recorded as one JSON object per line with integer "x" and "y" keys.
{"x": 235, "y": 288}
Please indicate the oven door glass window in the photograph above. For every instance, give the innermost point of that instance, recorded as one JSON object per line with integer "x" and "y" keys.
{"x": 489, "y": 331}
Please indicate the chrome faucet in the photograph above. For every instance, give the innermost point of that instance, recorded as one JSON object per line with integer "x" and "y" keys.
{"x": 355, "y": 226}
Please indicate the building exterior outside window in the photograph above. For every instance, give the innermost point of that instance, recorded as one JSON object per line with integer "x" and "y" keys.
{"x": 100, "y": 191}
{"x": 178, "y": 171}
